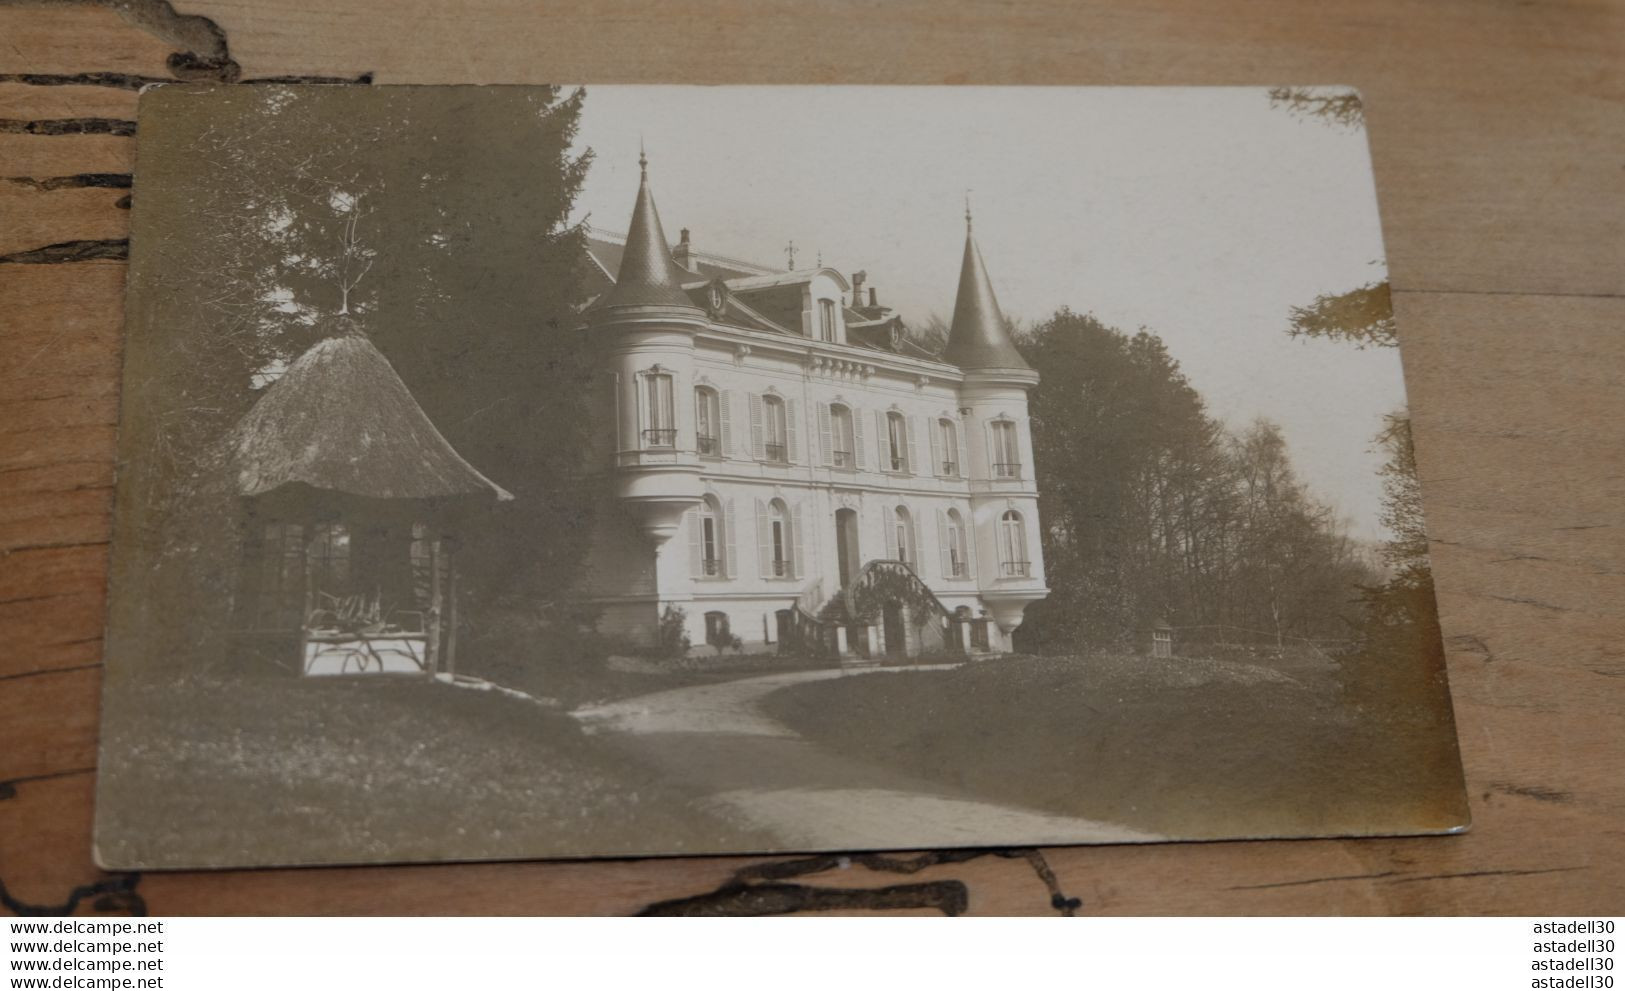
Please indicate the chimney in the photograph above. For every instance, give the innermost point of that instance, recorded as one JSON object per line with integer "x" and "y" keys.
{"x": 872, "y": 303}
{"x": 683, "y": 254}
{"x": 857, "y": 287}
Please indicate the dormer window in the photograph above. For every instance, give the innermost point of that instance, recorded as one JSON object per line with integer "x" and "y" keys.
{"x": 826, "y": 320}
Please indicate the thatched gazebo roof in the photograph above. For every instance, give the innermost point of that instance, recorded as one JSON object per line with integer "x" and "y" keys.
{"x": 341, "y": 420}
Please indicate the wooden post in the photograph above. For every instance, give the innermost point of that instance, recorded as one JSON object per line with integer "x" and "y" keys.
{"x": 431, "y": 654}
{"x": 308, "y": 579}
{"x": 451, "y": 609}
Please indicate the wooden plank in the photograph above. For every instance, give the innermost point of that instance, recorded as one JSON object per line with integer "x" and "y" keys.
{"x": 37, "y": 216}
{"x": 48, "y": 723}
{"x": 1495, "y": 185}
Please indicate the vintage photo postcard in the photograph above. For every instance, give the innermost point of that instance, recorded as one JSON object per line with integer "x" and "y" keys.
{"x": 577, "y": 472}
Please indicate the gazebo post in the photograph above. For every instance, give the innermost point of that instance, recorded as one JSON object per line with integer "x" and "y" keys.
{"x": 451, "y": 610}
{"x": 432, "y": 652}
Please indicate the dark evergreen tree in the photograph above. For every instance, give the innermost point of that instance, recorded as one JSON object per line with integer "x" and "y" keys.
{"x": 438, "y": 220}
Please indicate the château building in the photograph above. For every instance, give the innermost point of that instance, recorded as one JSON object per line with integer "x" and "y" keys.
{"x": 791, "y": 467}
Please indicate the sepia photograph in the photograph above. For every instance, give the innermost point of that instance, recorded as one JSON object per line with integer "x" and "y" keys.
{"x": 598, "y": 471}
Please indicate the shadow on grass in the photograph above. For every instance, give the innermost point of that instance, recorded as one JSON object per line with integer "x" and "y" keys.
{"x": 1187, "y": 748}
{"x": 273, "y": 770}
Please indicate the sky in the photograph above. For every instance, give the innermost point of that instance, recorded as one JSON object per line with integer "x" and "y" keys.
{"x": 1202, "y": 215}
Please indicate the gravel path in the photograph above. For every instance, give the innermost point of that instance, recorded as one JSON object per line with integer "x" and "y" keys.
{"x": 716, "y": 740}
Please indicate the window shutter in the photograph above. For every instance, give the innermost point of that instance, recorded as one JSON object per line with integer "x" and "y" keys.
{"x": 992, "y": 450}
{"x": 944, "y": 553}
{"x": 888, "y": 524}
{"x": 826, "y": 434}
{"x": 725, "y": 409}
{"x": 797, "y": 567}
{"x": 792, "y": 430}
{"x": 764, "y": 541}
{"x": 964, "y": 454}
{"x": 936, "y": 451}
{"x": 640, "y": 405}
{"x": 730, "y": 543}
{"x": 756, "y": 449}
{"x": 696, "y": 566}
{"x": 969, "y": 539}
{"x": 908, "y": 435}
{"x": 882, "y": 441}
{"x": 917, "y": 559}
{"x": 857, "y": 434}
{"x": 615, "y": 414}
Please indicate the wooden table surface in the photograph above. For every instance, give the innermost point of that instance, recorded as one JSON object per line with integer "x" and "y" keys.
{"x": 1498, "y": 130}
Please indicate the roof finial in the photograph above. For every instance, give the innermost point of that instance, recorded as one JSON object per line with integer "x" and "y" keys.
{"x": 790, "y": 255}
{"x": 643, "y": 159}
{"x": 967, "y": 210}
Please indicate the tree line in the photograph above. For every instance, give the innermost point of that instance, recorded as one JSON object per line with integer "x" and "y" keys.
{"x": 1154, "y": 511}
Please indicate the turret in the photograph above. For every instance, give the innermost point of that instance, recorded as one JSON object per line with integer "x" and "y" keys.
{"x": 648, "y": 322}
{"x": 993, "y": 399}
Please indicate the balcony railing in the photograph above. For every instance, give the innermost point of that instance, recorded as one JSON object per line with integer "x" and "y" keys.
{"x": 899, "y": 463}
{"x": 710, "y": 447}
{"x": 781, "y": 567}
{"x": 950, "y": 469}
{"x": 712, "y": 567}
{"x": 1017, "y": 569}
{"x": 660, "y": 437}
{"x": 775, "y": 453}
{"x": 1007, "y": 469}
{"x": 956, "y": 567}
{"x": 842, "y": 459}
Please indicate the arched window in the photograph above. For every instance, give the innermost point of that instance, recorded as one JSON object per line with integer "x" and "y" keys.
{"x": 711, "y": 537}
{"x": 955, "y": 562}
{"x": 1006, "y": 452}
{"x": 776, "y": 538}
{"x": 843, "y": 454}
{"x": 903, "y": 537}
{"x": 707, "y": 422}
{"x": 897, "y": 441}
{"x": 659, "y": 417}
{"x": 775, "y": 434}
{"x": 946, "y": 445}
{"x": 1013, "y": 545}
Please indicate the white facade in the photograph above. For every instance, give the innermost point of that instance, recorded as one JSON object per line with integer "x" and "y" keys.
{"x": 760, "y": 466}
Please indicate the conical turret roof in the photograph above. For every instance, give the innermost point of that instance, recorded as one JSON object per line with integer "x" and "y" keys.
{"x": 977, "y": 339}
{"x": 649, "y": 276}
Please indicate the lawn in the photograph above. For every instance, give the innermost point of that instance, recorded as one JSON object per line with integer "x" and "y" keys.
{"x": 366, "y": 769}
{"x": 1182, "y": 747}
